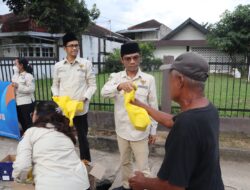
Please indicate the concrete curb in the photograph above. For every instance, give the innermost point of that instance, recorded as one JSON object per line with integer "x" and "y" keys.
{"x": 109, "y": 144}
{"x": 235, "y": 154}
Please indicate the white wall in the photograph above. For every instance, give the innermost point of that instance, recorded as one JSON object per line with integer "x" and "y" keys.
{"x": 62, "y": 53}
{"x": 10, "y": 51}
{"x": 90, "y": 48}
{"x": 163, "y": 31}
{"x": 189, "y": 33}
{"x": 171, "y": 50}
{"x": 111, "y": 45}
{"x": 146, "y": 35}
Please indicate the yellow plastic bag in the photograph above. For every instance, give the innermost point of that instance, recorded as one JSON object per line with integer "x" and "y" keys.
{"x": 137, "y": 115}
{"x": 69, "y": 107}
{"x": 30, "y": 177}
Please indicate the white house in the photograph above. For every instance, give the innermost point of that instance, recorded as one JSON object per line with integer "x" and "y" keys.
{"x": 150, "y": 30}
{"x": 21, "y": 37}
{"x": 184, "y": 38}
{"x": 191, "y": 36}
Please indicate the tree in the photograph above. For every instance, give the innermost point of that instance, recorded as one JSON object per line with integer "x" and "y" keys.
{"x": 57, "y": 15}
{"x": 149, "y": 62}
{"x": 113, "y": 63}
{"x": 232, "y": 33}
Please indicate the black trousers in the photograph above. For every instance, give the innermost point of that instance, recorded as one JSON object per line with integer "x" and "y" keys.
{"x": 81, "y": 124}
{"x": 24, "y": 115}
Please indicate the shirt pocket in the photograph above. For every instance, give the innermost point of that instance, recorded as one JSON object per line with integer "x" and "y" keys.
{"x": 142, "y": 95}
{"x": 81, "y": 75}
{"x": 62, "y": 74}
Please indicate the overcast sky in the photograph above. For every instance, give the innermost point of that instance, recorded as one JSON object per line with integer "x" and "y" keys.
{"x": 125, "y": 13}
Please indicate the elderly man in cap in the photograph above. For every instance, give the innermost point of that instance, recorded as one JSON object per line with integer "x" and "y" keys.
{"x": 192, "y": 147}
{"x": 130, "y": 140}
{"x": 74, "y": 77}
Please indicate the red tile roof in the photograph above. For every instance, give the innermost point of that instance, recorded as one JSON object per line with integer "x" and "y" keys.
{"x": 16, "y": 23}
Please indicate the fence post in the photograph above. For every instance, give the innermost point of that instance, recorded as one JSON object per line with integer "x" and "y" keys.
{"x": 248, "y": 63}
{"x": 165, "y": 98}
{"x": 99, "y": 55}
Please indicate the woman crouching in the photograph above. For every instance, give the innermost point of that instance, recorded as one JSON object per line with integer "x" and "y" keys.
{"x": 48, "y": 148}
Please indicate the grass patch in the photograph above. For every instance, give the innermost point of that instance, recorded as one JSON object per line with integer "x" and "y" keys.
{"x": 228, "y": 93}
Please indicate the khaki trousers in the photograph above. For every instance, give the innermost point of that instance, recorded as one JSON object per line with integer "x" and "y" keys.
{"x": 140, "y": 151}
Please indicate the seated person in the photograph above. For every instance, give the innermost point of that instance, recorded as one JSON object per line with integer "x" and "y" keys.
{"x": 48, "y": 148}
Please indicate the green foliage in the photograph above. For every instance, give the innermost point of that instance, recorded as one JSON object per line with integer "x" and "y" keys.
{"x": 151, "y": 65}
{"x": 57, "y": 15}
{"x": 232, "y": 33}
{"x": 94, "y": 12}
{"x": 113, "y": 63}
{"x": 148, "y": 61}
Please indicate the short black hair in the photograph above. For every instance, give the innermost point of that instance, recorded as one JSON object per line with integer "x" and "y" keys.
{"x": 129, "y": 48}
{"x": 68, "y": 37}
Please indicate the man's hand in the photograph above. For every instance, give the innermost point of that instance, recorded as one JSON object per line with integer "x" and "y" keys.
{"x": 151, "y": 139}
{"x": 126, "y": 86}
{"x": 137, "y": 182}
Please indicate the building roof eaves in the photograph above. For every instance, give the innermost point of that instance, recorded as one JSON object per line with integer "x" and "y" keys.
{"x": 183, "y": 25}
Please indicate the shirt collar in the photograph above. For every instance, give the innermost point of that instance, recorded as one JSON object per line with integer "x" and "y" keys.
{"x": 139, "y": 74}
{"x": 75, "y": 61}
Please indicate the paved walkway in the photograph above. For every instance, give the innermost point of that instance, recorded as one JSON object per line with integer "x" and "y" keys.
{"x": 236, "y": 175}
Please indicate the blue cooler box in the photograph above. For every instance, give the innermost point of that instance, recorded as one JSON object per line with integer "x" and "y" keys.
{"x": 6, "y": 168}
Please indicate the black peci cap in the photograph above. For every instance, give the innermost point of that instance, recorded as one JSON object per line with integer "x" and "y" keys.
{"x": 191, "y": 65}
{"x": 68, "y": 37}
{"x": 130, "y": 47}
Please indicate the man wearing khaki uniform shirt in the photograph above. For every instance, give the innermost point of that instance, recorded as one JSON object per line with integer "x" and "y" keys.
{"x": 129, "y": 139}
{"x": 74, "y": 77}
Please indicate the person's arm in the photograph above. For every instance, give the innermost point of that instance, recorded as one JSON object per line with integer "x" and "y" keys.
{"x": 28, "y": 87}
{"x": 23, "y": 162}
{"x": 159, "y": 116}
{"x": 109, "y": 90}
{"x": 56, "y": 82}
{"x": 91, "y": 82}
{"x": 153, "y": 103}
{"x": 140, "y": 182}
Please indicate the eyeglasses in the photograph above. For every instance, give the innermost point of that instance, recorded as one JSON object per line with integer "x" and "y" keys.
{"x": 73, "y": 46}
{"x": 128, "y": 59}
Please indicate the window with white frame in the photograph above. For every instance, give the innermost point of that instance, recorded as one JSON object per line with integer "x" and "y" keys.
{"x": 23, "y": 52}
{"x": 31, "y": 52}
{"x": 36, "y": 52}
{"x": 47, "y": 52}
